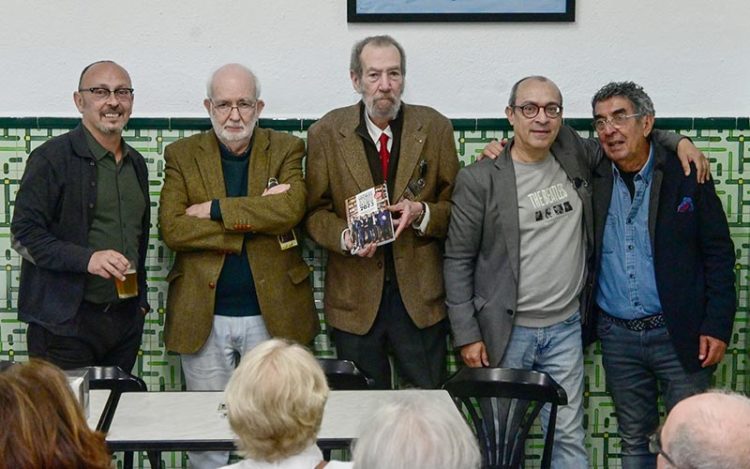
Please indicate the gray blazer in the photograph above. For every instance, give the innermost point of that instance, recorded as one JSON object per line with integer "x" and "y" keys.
{"x": 481, "y": 266}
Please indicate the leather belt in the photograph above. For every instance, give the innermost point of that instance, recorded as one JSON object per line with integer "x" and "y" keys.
{"x": 640, "y": 324}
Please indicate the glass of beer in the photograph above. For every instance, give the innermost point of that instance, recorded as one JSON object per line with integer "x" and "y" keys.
{"x": 128, "y": 288}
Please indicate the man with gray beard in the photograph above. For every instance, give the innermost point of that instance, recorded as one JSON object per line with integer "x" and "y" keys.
{"x": 231, "y": 199}
{"x": 389, "y": 297}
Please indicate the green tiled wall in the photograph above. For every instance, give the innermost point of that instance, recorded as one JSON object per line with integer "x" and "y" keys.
{"x": 723, "y": 140}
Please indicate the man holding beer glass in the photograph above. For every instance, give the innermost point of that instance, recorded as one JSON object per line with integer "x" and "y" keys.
{"x": 81, "y": 222}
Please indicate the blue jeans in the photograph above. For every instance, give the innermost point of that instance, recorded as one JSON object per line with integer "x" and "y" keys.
{"x": 639, "y": 364}
{"x": 210, "y": 368}
{"x": 557, "y": 351}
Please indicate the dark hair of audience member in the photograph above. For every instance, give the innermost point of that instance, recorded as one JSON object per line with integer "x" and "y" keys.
{"x": 43, "y": 426}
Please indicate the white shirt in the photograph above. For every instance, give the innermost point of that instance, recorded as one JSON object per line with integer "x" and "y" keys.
{"x": 307, "y": 459}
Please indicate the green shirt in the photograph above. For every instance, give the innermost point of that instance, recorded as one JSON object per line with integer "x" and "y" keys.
{"x": 118, "y": 214}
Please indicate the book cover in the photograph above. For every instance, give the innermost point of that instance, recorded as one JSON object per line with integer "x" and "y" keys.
{"x": 368, "y": 219}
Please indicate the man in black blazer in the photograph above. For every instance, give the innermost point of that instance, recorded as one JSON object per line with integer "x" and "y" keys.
{"x": 665, "y": 282}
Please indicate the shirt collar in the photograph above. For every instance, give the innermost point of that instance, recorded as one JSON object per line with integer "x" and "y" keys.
{"x": 98, "y": 150}
{"x": 645, "y": 172}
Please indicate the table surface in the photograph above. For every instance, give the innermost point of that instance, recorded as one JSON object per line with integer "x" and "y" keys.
{"x": 188, "y": 420}
{"x": 97, "y": 401}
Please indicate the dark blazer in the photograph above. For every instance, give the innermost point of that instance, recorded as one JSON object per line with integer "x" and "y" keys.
{"x": 482, "y": 249}
{"x": 693, "y": 252}
{"x": 193, "y": 175}
{"x": 54, "y": 209}
{"x": 337, "y": 168}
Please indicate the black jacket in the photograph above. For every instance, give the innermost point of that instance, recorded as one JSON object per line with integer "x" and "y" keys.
{"x": 53, "y": 212}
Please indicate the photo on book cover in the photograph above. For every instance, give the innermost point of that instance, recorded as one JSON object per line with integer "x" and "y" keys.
{"x": 368, "y": 219}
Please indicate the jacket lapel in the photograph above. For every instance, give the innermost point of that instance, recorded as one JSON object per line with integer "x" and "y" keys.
{"x": 260, "y": 163}
{"x": 505, "y": 197}
{"x": 653, "y": 205}
{"x": 413, "y": 139}
{"x": 352, "y": 151}
{"x": 208, "y": 160}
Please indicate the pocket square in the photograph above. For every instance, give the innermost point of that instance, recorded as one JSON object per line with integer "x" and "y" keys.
{"x": 686, "y": 205}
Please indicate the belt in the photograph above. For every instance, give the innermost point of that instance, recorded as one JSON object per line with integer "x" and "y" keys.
{"x": 640, "y": 324}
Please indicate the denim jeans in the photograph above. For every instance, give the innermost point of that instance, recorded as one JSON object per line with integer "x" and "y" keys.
{"x": 210, "y": 368}
{"x": 557, "y": 351}
{"x": 639, "y": 364}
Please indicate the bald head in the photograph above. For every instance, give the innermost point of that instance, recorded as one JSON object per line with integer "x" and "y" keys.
{"x": 707, "y": 431}
{"x": 236, "y": 75}
{"x": 92, "y": 68}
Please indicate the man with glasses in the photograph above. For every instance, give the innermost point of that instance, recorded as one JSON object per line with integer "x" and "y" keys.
{"x": 516, "y": 257}
{"x": 231, "y": 199}
{"x": 81, "y": 219}
{"x": 665, "y": 280}
{"x": 387, "y": 297}
{"x": 706, "y": 431}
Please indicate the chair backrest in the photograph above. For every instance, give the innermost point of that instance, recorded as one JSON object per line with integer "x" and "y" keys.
{"x": 502, "y": 404}
{"x": 116, "y": 380}
{"x": 344, "y": 374}
{"x": 4, "y": 365}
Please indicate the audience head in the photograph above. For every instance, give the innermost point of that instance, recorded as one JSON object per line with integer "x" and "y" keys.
{"x": 43, "y": 424}
{"x": 416, "y": 432}
{"x": 535, "y": 112}
{"x": 275, "y": 400}
{"x": 104, "y": 98}
{"x": 377, "y": 71}
{"x": 624, "y": 119}
{"x": 234, "y": 105}
{"x": 707, "y": 431}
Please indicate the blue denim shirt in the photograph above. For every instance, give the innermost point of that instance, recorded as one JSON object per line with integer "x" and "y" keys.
{"x": 627, "y": 284}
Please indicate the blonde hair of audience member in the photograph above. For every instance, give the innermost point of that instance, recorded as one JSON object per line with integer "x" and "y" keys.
{"x": 275, "y": 400}
{"x": 43, "y": 424}
{"x": 416, "y": 432}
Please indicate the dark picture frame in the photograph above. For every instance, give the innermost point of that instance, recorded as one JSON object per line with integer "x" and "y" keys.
{"x": 385, "y": 14}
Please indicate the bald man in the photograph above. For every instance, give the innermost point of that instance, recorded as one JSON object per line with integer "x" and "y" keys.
{"x": 705, "y": 431}
{"x": 81, "y": 219}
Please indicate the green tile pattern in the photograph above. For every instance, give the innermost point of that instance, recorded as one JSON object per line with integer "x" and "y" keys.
{"x": 723, "y": 140}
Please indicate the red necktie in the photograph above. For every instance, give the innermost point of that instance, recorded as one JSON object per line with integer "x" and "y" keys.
{"x": 385, "y": 155}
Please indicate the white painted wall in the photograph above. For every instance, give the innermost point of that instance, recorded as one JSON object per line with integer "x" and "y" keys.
{"x": 692, "y": 56}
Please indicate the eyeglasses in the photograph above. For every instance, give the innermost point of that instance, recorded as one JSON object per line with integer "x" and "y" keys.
{"x": 617, "y": 121}
{"x": 225, "y": 108}
{"x": 531, "y": 110}
{"x": 654, "y": 446}
{"x": 100, "y": 94}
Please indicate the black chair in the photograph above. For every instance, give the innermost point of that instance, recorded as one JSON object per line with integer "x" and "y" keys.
{"x": 502, "y": 404}
{"x": 4, "y": 365}
{"x": 344, "y": 375}
{"x": 117, "y": 381}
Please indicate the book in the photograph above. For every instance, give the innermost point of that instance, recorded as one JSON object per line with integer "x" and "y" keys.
{"x": 368, "y": 219}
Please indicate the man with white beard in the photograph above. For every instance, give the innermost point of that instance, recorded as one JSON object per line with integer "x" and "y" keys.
{"x": 389, "y": 297}
{"x": 231, "y": 198}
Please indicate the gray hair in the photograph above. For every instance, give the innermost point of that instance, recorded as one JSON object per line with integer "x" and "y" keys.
{"x": 253, "y": 77}
{"x": 514, "y": 89}
{"x": 355, "y": 64}
{"x": 414, "y": 433}
{"x": 633, "y": 92}
{"x": 711, "y": 439}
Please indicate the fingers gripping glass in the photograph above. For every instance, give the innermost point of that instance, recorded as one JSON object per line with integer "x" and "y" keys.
{"x": 225, "y": 108}
{"x": 654, "y": 446}
{"x": 100, "y": 94}
{"x": 531, "y": 110}
{"x": 617, "y": 121}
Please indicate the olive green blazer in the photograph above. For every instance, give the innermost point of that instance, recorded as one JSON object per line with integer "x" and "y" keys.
{"x": 193, "y": 175}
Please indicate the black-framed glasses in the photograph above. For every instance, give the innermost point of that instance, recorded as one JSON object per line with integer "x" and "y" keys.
{"x": 100, "y": 94}
{"x": 654, "y": 446}
{"x": 531, "y": 110}
{"x": 617, "y": 121}
{"x": 225, "y": 108}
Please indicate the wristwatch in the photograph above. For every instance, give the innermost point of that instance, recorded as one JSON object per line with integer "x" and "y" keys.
{"x": 419, "y": 219}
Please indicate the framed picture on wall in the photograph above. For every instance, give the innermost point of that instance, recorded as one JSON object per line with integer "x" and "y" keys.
{"x": 384, "y": 11}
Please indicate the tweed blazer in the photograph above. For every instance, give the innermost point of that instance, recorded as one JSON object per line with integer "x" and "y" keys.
{"x": 337, "y": 168}
{"x": 482, "y": 260}
{"x": 193, "y": 175}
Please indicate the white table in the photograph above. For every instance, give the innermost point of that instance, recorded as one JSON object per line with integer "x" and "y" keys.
{"x": 97, "y": 401}
{"x": 178, "y": 421}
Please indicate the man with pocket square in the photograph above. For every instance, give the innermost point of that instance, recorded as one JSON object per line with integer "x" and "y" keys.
{"x": 665, "y": 281}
